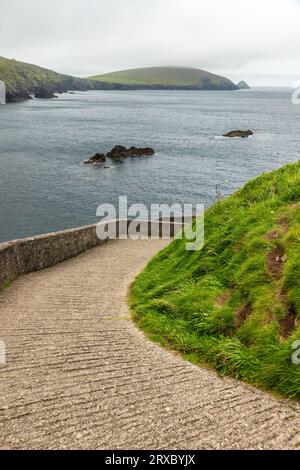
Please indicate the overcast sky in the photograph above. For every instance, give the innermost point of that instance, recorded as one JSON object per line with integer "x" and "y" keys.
{"x": 256, "y": 40}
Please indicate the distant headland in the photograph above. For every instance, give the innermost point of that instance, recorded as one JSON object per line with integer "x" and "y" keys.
{"x": 23, "y": 80}
{"x": 169, "y": 78}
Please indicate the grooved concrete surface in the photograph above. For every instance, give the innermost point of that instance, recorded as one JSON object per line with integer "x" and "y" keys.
{"x": 79, "y": 375}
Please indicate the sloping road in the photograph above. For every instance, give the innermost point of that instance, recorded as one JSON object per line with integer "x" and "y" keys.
{"x": 80, "y": 375}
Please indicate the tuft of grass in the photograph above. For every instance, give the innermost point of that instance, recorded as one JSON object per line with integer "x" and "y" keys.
{"x": 248, "y": 334}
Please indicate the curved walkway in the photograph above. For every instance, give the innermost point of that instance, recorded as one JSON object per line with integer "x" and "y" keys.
{"x": 80, "y": 375}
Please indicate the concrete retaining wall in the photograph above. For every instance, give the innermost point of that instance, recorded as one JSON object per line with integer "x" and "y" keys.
{"x": 33, "y": 254}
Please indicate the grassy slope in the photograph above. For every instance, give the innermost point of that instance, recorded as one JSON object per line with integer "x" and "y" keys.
{"x": 224, "y": 306}
{"x": 164, "y": 76}
{"x": 21, "y": 78}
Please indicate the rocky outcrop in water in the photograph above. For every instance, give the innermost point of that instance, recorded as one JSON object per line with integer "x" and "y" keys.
{"x": 119, "y": 152}
{"x": 17, "y": 97}
{"x": 238, "y": 133}
{"x": 97, "y": 159}
{"x": 44, "y": 93}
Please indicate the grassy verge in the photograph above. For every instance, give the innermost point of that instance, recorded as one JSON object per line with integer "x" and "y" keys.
{"x": 234, "y": 305}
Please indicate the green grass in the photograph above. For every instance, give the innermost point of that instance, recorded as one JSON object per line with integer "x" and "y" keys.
{"x": 166, "y": 77}
{"x": 19, "y": 75}
{"x": 194, "y": 302}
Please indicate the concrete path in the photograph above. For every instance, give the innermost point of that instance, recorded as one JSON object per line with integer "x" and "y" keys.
{"x": 80, "y": 375}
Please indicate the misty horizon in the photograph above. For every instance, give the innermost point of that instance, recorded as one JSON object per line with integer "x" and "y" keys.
{"x": 258, "y": 44}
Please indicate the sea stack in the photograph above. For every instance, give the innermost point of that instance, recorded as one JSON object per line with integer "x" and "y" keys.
{"x": 243, "y": 85}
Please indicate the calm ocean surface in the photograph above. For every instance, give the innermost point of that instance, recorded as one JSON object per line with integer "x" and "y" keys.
{"x": 44, "y": 185}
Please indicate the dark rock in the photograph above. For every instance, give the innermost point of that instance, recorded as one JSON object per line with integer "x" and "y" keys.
{"x": 117, "y": 152}
{"x": 133, "y": 151}
{"x": 97, "y": 159}
{"x": 120, "y": 152}
{"x": 238, "y": 133}
{"x": 17, "y": 97}
{"x": 44, "y": 93}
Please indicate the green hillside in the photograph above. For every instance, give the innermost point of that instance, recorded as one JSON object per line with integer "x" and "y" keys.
{"x": 22, "y": 79}
{"x": 234, "y": 305}
{"x": 167, "y": 77}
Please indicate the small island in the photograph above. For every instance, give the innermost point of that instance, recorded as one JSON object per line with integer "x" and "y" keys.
{"x": 243, "y": 85}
